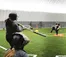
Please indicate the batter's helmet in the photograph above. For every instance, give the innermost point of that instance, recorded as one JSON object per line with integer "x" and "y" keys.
{"x": 13, "y": 16}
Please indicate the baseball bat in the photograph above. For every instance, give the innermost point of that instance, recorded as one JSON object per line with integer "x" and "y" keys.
{"x": 39, "y": 33}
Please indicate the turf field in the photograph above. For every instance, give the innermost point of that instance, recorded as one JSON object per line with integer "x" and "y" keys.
{"x": 49, "y": 46}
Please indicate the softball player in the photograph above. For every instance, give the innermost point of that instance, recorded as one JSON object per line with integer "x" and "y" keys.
{"x": 57, "y": 29}
{"x": 16, "y": 40}
{"x": 54, "y": 28}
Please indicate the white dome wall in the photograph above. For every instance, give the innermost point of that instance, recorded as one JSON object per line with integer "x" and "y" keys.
{"x": 34, "y": 16}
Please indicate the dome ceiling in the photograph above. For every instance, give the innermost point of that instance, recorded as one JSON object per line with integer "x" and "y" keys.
{"x": 51, "y": 6}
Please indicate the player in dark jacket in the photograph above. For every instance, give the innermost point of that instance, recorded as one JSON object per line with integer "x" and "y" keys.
{"x": 11, "y": 27}
{"x": 16, "y": 40}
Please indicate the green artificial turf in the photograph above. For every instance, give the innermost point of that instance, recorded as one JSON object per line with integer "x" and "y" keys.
{"x": 49, "y": 46}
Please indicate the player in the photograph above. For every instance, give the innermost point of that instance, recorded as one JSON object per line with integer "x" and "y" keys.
{"x": 57, "y": 29}
{"x": 11, "y": 27}
{"x": 16, "y": 40}
{"x": 54, "y": 28}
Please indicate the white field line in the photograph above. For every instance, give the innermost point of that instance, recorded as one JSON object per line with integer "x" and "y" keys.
{"x": 3, "y": 47}
{"x": 32, "y": 55}
{"x": 28, "y": 54}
